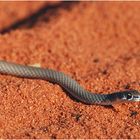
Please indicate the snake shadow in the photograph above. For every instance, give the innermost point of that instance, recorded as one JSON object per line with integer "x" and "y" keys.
{"x": 45, "y": 13}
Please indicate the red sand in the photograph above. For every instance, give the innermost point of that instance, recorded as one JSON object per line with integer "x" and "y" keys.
{"x": 96, "y": 43}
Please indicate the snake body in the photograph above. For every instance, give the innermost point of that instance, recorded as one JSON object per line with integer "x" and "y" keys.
{"x": 69, "y": 84}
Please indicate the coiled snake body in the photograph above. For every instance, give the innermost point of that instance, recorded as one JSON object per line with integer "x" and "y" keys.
{"x": 70, "y": 85}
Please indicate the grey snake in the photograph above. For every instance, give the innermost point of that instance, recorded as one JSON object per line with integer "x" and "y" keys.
{"x": 70, "y": 85}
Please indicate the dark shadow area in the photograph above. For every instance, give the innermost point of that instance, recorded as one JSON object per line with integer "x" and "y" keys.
{"x": 31, "y": 20}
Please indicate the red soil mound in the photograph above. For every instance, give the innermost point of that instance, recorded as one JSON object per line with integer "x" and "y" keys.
{"x": 98, "y": 45}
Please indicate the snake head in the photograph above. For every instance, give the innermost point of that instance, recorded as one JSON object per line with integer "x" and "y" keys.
{"x": 130, "y": 96}
{"x": 124, "y": 96}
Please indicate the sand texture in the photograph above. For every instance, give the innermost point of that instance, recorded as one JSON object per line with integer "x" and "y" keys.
{"x": 97, "y": 44}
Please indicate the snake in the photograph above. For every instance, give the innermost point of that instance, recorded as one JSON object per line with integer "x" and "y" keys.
{"x": 68, "y": 84}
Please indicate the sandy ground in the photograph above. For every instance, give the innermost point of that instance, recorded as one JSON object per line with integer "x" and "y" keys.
{"x": 98, "y": 45}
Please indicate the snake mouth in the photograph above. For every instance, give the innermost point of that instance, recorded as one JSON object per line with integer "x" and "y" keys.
{"x": 135, "y": 95}
{"x": 136, "y": 98}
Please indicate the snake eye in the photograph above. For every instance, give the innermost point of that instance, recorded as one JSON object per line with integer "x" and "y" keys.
{"x": 129, "y": 96}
